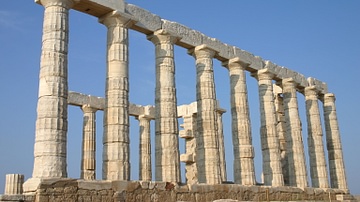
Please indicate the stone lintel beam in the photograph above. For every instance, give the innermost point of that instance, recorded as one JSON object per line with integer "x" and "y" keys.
{"x": 79, "y": 99}
{"x": 147, "y": 23}
{"x": 320, "y": 86}
{"x": 99, "y": 8}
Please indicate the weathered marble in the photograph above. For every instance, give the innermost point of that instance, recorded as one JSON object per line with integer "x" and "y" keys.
{"x": 207, "y": 150}
{"x": 334, "y": 146}
{"x": 318, "y": 171}
{"x": 244, "y": 171}
{"x": 269, "y": 138}
{"x": 167, "y": 157}
{"x": 14, "y": 184}
{"x": 144, "y": 148}
{"x": 221, "y": 144}
{"x": 294, "y": 141}
{"x": 281, "y": 129}
{"x": 51, "y": 121}
{"x": 88, "y": 157}
{"x": 116, "y": 162}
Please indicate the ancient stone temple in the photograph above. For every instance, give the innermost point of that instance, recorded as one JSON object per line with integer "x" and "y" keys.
{"x": 285, "y": 173}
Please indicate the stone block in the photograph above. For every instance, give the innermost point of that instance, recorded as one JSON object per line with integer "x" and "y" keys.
{"x": 94, "y": 185}
{"x": 147, "y": 22}
{"x": 188, "y": 38}
{"x": 224, "y": 51}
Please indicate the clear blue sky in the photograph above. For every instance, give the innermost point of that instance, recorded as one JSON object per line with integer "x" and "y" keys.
{"x": 316, "y": 38}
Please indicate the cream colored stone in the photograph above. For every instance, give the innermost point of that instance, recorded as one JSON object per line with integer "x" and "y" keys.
{"x": 207, "y": 150}
{"x": 116, "y": 162}
{"x": 244, "y": 171}
{"x": 144, "y": 149}
{"x": 334, "y": 146}
{"x": 281, "y": 129}
{"x": 318, "y": 172}
{"x": 221, "y": 143}
{"x": 88, "y": 157}
{"x": 294, "y": 141}
{"x": 269, "y": 136}
{"x": 167, "y": 158}
{"x": 14, "y": 184}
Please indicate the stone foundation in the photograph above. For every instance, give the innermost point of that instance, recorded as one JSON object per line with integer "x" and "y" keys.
{"x": 61, "y": 190}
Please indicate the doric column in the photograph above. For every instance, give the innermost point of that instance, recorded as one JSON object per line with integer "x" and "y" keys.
{"x": 269, "y": 138}
{"x": 14, "y": 184}
{"x": 221, "y": 144}
{"x": 207, "y": 150}
{"x": 167, "y": 159}
{"x": 88, "y": 162}
{"x": 281, "y": 130}
{"x": 116, "y": 162}
{"x": 244, "y": 171}
{"x": 294, "y": 140}
{"x": 319, "y": 176}
{"x": 51, "y": 122}
{"x": 144, "y": 148}
{"x": 334, "y": 147}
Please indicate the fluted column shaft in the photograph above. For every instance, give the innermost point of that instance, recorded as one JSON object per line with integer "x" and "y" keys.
{"x": 167, "y": 159}
{"x": 88, "y": 159}
{"x": 294, "y": 140}
{"x": 144, "y": 149}
{"x": 318, "y": 172}
{"x": 244, "y": 171}
{"x": 334, "y": 146}
{"x": 221, "y": 145}
{"x": 207, "y": 150}
{"x": 14, "y": 184}
{"x": 269, "y": 138}
{"x": 281, "y": 129}
{"x": 51, "y": 122}
{"x": 116, "y": 162}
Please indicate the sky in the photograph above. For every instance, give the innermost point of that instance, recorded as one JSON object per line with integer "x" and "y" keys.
{"x": 315, "y": 38}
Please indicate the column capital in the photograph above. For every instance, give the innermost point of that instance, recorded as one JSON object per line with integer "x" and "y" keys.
{"x": 162, "y": 36}
{"x": 117, "y": 18}
{"x": 202, "y": 51}
{"x": 144, "y": 117}
{"x": 63, "y": 3}
{"x": 311, "y": 91}
{"x": 288, "y": 82}
{"x": 88, "y": 109}
{"x": 235, "y": 63}
{"x": 329, "y": 97}
{"x": 264, "y": 74}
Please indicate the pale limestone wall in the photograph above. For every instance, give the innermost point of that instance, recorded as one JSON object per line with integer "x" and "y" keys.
{"x": 60, "y": 190}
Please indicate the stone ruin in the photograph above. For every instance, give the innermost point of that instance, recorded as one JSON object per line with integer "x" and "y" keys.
{"x": 285, "y": 177}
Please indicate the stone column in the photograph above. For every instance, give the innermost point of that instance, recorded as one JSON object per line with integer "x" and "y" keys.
{"x": 14, "y": 184}
{"x": 207, "y": 150}
{"x": 144, "y": 148}
{"x": 116, "y": 162}
{"x": 51, "y": 122}
{"x": 281, "y": 129}
{"x": 244, "y": 171}
{"x": 88, "y": 162}
{"x": 319, "y": 176}
{"x": 167, "y": 159}
{"x": 294, "y": 140}
{"x": 269, "y": 137}
{"x": 334, "y": 147}
{"x": 221, "y": 144}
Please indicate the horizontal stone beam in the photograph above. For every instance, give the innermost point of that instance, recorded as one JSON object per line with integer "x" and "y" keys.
{"x": 147, "y": 23}
{"x": 79, "y": 99}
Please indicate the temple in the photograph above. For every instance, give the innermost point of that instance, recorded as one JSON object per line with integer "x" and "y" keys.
{"x": 285, "y": 175}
